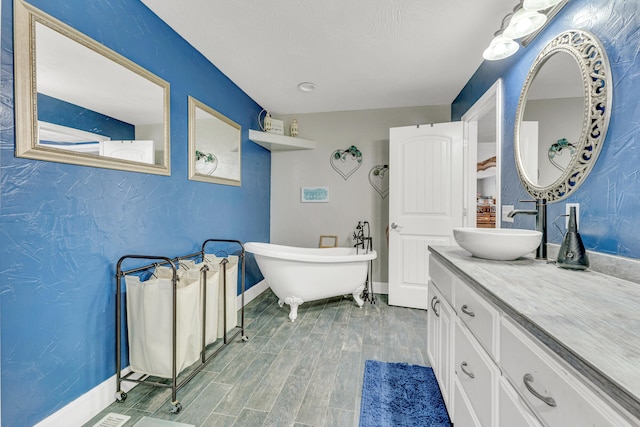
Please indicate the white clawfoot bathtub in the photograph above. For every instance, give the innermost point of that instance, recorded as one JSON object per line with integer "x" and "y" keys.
{"x": 297, "y": 275}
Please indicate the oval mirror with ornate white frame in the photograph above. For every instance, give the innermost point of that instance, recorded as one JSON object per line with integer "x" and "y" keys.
{"x": 563, "y": 115}
{"x": 215, "y": 152}
{"x": 79, "y": 102}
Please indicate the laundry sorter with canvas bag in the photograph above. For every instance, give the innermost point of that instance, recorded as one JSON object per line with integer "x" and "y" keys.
{"x": 180, "y": 313}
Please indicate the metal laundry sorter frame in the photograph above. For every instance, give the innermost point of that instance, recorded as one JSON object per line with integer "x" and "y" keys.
{"x": 176, "y": 385}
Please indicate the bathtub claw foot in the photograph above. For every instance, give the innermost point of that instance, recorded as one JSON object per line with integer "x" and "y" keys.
{"x": 293, "y": 302}
{"x": 356, "y": 295}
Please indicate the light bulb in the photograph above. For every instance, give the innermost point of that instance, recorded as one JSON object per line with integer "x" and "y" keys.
{"x": 500, "y": 48}
{"x": 524, "y": 22}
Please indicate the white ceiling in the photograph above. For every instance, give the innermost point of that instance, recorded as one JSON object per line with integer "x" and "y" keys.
{"x": 361, "y": 54}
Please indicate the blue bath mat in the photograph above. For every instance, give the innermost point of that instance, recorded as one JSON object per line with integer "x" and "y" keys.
{"x": 401, "y": 395}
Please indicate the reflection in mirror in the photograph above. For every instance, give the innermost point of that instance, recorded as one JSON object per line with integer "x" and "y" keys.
{"x": 79, "y": 102}
{"x": 214, "y": 146}
{"x": 563, "y": 115}
{"x": 553, "y": 119}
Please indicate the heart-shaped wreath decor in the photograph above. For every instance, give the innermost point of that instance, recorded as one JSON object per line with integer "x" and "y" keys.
{"x": 206, "y": 163}
{"x": 346, "y": 162}
{"x": 379, "y": 179}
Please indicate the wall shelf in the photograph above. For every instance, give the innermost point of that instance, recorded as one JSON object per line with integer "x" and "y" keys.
{"x": 486, "y": 173}
{"x": 273, "y": 142}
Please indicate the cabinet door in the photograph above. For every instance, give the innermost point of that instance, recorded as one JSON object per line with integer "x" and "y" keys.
{"x": 439, "y": 340}
{"x": 463, "y": 414}
{"x": 433, "y": 326}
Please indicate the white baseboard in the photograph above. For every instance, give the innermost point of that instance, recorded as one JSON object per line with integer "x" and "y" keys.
{"x": 88, "y": 405}
{"x": 98, "y": 398}
{"x": 251, "y": 293}
{"x": 380, "y": 287}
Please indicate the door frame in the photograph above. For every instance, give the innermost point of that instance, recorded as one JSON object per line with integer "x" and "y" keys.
{"x": 492, "y": 98}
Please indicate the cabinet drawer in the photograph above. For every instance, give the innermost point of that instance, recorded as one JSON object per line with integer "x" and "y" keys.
{"x": 442, "y": 277}
{"x": 552, "y": 391}
{"x": 478, "y": 315}
{"x": 477, "y": 374}
{"x": 511, "y": 409}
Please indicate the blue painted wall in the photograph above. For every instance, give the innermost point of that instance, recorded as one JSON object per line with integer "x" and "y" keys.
{"x": 610, "y": 197}
{"x": 63, "y": 113}
{"x": 63, "y": 227}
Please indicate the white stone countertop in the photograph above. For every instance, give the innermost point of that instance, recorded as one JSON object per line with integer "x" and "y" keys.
{"x": 589, "y": 319}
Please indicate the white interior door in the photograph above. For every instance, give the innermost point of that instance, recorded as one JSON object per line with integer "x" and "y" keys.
{"x": 528, "y": 140}
{"x": 425, "y": 203}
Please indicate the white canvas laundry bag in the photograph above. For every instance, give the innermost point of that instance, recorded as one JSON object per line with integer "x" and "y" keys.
{"x": 150, "y": 322}
{"x": 231, "y": 296}
{"x": 194, "y": 273}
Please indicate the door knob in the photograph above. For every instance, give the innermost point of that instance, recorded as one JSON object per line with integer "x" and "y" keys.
{"x": 395, "y": 226}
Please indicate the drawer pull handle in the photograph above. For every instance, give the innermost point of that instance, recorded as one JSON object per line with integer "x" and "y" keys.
{"x": 435, "y": 310}
{"x": 465, "y": 310}
{"x": 463, "y": 365}
{"x": 528, "y": 379}
{"x": 432, "y": 301}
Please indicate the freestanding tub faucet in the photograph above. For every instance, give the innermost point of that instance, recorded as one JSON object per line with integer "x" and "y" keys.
{"x": 541, "y": 222}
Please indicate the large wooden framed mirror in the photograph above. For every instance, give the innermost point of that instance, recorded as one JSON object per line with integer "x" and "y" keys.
{"x": 563, "y": 115}
{"x": 215, "y": 149}
{"x": 79, "y": 102}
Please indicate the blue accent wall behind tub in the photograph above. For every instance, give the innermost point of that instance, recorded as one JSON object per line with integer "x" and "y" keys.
{"x": 63, "y": 113}
{"x": 63, "y": 227}
{"x": 610, "y": 197}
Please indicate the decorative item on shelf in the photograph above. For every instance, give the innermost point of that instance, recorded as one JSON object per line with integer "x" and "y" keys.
{"x": 269, "y": 124}
{"x": 346, "y": 162}
{"x": 485, "y": 212}
{"x": 264, "y": 123}
{"x": 293, "y": 129}
{"x": 556, "y": 150}
{"x": 572, "y": 254}
{"x": 206, "y": 163}
{"x": 486, "y": 164}
{"x": 379, "y": 179}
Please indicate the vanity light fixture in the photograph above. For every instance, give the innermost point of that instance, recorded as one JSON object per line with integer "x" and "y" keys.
{"x": 520, "y": 23}
{"x": 539, "y": 4}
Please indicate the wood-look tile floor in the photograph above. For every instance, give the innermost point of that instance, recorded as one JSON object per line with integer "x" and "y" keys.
{"x": 303, "y": 373}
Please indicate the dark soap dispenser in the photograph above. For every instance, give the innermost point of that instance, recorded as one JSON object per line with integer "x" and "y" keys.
{"x": 572, "y": 254}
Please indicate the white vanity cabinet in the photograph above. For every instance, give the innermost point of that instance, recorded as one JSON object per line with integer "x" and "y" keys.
{"x": 467, "y": 375}
{"x": 494, "y": 373}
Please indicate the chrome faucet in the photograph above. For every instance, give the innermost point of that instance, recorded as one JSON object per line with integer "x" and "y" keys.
{"x": 541, "y": 223}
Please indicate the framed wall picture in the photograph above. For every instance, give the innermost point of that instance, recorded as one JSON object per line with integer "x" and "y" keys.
{"x": 328, "y": 241}
{"x": 314, "y": 194}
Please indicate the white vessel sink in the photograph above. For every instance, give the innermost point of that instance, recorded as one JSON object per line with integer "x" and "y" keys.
{"x": 502, "y": 244}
